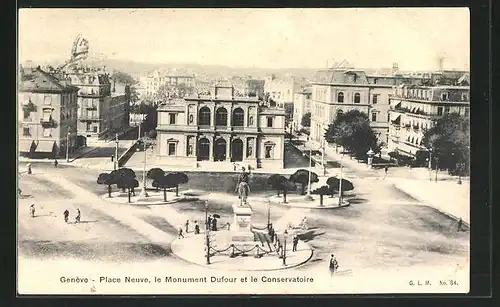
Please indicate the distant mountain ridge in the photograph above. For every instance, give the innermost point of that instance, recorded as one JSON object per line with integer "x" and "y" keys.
{"x": 143, "y": 69}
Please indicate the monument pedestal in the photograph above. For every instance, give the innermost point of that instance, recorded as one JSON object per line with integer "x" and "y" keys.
{"x": 240, "y": 233}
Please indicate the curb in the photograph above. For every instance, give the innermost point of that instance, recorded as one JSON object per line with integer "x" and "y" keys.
{"x": 289, "y": 205}
{"x": 243, "y": 270}
{"x": 105, "y": 198}
{"x": 425, "y": 203}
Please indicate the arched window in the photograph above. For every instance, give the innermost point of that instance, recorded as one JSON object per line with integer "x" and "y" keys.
{"x": 204, "y": 117}
{"x": 357, "y": 98}
{"x": 221, "y": 117}
{"x": 340, "y": 97}
{"x": 203, "y": 149}
{"x": 238, "y": 117}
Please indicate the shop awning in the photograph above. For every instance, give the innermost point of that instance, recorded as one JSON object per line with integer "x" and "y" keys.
{"x": 45, "y": 146}
{"x": 25, "y": 145}
{"x": 395, "y": 116}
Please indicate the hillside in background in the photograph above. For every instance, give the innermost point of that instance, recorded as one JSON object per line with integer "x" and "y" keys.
{"x": 138, "y": 69}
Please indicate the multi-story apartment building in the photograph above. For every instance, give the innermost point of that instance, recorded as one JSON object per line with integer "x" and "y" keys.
{"x": 47, "y": 113}
{"x": 281, "y": 90}
{"x": 175, "y": 84}
{"x": 301, "y": 106}
{"x": 413, "y": 109}
{"x": 102, "y": 110}
{"x": 219, "y": 130}
{"x": 248, "y": 87}
{"x": 341, "y": 90}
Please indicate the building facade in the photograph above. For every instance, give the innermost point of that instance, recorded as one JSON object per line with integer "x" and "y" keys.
{"x": 220, "y": 130}
{"x": 413, "y": 109}
{"x": 342, "y": 90}
{"x": 47, "y": 109}
{"x": 176, "y": 85}
{"x": 301, "y": 106}
{"x": 102, "y": 110}
{"x": 281, "y": 90}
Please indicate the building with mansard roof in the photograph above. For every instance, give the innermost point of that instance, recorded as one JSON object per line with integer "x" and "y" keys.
{"x": 413, "y": 109}
{"x": 219, "y": 130}
{"x": 103, "y": 105}
{"x": 47, "y": 109}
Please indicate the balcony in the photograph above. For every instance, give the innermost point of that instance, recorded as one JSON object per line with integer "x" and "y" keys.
{"x": 204, "y": 127}
{"x": 222, "y": 128}
{"x": 238, "y": 128}
{"x": 89, "y": 118}
{"x": 48, "y": 123}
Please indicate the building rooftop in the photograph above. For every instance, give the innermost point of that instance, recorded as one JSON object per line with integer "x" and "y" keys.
{"x": 272, "y": 111}
{"x": 341, "y": 76}
{"x": 33, "y": 80}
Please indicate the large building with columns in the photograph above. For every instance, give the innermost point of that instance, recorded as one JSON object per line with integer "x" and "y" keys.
{"x": 219, "y": 131}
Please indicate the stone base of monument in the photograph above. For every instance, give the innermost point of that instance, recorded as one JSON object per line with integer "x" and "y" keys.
{"x": 240, "y": 234}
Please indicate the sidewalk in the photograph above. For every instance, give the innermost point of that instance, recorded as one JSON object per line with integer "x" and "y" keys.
{"x": 449, "y": 198}
{"x": 114, "y": 210}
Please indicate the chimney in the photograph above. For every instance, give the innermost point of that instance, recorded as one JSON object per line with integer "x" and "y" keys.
{"x": 440, "y": 63}
{"x": 395, "y": 68}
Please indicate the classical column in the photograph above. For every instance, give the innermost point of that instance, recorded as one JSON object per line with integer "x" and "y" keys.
{"x": 228, "y": 149}
{"x": 211, "y": 148}
{"x": 229, "y": 116}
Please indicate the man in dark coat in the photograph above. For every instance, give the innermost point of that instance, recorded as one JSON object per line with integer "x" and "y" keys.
{"x": 66, "y": 215}
{"x": 209, "y": 222}
{"x": 334, "y": 265}
{"x": 295, "y": 242}
{"x": 214, "y": 224}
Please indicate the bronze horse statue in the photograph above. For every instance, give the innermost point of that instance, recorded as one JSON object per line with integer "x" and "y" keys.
{"x": 243, "y": 188}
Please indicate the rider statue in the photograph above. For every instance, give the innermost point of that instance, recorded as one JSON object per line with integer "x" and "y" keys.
{"x": 243, "y": 187}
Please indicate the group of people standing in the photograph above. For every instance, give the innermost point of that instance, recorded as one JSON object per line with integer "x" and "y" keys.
{"x": 211, "y": 224}
{"x": 65, "y": 214}
{"x": 77, "y": 217}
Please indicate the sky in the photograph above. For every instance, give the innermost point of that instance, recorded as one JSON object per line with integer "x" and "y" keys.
{"x": 268, "y": 38}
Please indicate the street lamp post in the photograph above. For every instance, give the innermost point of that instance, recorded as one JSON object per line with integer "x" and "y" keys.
{"x": 340, "y": 181}
{"x": 323, "y": 157}
{"x": 437, "y": 164}
{"x": 115, "y": 161}
{"x": 144, "y": 193}
{"x": 309, "y": 177}
{"x": 430, "y": 164}
{"x": 207, "y": 234}
{"x": 285, "y": 234}
{"x": 67, "y": 144}
{"x": 268, "y": 215}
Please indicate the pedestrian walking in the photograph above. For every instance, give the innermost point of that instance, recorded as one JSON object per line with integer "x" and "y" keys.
{"x": 386, "y": 168}
{"x": 295, "y": 242}
{"x": 32, "y": 210}
{"x": 334, "y": 265}
{"x": 29, "y": 168}
{"x": 66, "y": 215}
{"x": 78, "y": 216}
{"x": 228, "y": 226}
{"x": 187, "y": 226}
{"x": 196, "y": 228}
{"x": 460, "y": 222}
{"x": 214, "y": 224}
{"x": 181, "y": 235}
{"x": 56, "y": 163}
{"x": 208, "y": 222}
